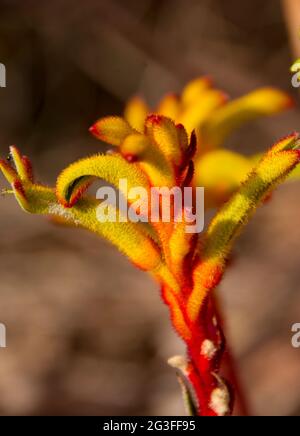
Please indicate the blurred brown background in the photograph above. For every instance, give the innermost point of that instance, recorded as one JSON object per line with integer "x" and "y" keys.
{"x": 87, "y": 332}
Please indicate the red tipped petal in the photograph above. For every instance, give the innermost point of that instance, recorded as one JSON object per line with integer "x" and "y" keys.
{"x": 93, "y": 130}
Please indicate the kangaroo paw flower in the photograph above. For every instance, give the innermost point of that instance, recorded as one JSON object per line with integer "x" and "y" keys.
{"x": 156, "y": 152}
{"x": 213, "y": 116}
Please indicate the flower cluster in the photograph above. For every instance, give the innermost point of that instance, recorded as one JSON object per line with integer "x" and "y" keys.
{"x": 164, "y": 150}
{"x": 213, "y": 116}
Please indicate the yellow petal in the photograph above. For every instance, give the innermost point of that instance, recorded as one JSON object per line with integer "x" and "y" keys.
{"x": 131, "y": 239}
{"x": 166, "y": 135}
{"x": 128, "y": 237}
{"x": 220, "y": 172}
{"x": 149, "y": 158}
{"x": 22, "y": 164}
{"x": 32, "y": 198}
{"x": 112, "y": 130}
{"x": 169, "y": 106}
{"x": 9, "y": 173}
{"x": 198, "y": 112}
{"x": 295, "y": 174}
{"x": 274, "y": 167}
{"x": 194, "y": 90}
{"x": 136, "y": 112}
{"x": 262, "y": 102}
{"x": 110, "y": 168}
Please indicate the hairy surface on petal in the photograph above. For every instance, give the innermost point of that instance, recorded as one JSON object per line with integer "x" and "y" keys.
{"x": 274, "y": 167}
{"x": 180, "y": 245}
{"x": 165, "y": 134}
{"x": 128, "y": 237}
{"x": 136, "y": 241}
{"x": 150, "y": 159}
{"x": 182, "y": 137}
{"x": 22, "y": 164}
{"x": 131, "y": 239}
{"x": 112, "y": 130}
{"x": 8, "y": 171}
{"x": 108, "y": 168}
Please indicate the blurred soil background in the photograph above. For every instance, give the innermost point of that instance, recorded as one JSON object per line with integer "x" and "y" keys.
{"x": 87, "y": 332}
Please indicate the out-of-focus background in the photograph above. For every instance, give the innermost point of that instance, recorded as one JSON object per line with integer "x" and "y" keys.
{"x": 87, "y": 332}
